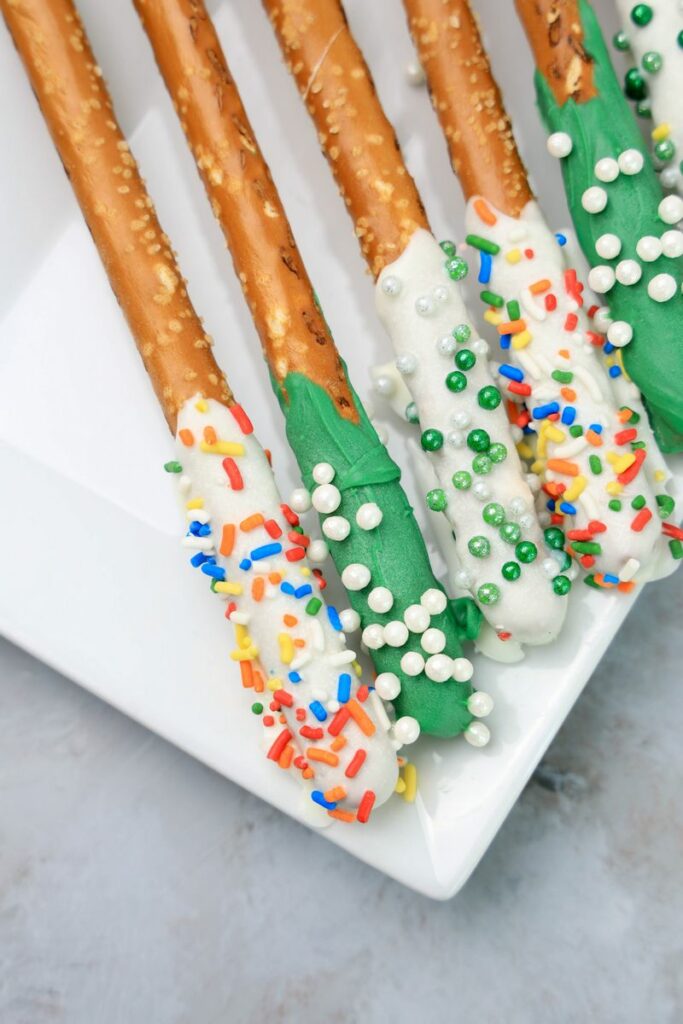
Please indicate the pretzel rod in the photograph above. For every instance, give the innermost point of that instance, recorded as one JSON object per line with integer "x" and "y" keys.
{"x": 623, "y": 223}
{"x": 590, "y": 452}
{"x": 466, "y": 434}
{"x": 353, "y": 482}
{"x": 247, "y": 543}
{"x": 652, "y": 32}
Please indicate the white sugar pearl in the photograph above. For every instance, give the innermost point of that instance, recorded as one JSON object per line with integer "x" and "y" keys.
{"x": 416, "y": 618}
{"x": 670, "y": 209}
{"x": 526, "y": 521}
{"x": 594, "y": 199}
{"x": 601, "y": 278}
{"x": 380, "y": 599}
{"x": 602, "y": 319}
{"x": 388, "y": 685}
{"x": 396, "y": 633}
{"x": 300, "y": 501}
{"x": 384, "y": 385}
{"x": 350, "y": 620}
{"x": 373, "y": 637}
{"x": 672, "y": 244}
{"x": 477, "y": 734}
{"x": 481, "y": 490}
{"x": 425, "y": 305}
{"x": 649, "y": 248}
{"x": 440, "y": 293}
{"x": 434, "y": 601}
{"x": 608, "y": 246}
{"x": 619, "y": 333}
{"x": 433, "y": 641}
{"x": 669, "y": 177}
{"x": 406, "y": 364}
{"x": 607, "y": 169}
{"x": 406, "y": 730}
{"x": 355, "y": 576}
{"x": 549, "y": 567}
{"x": 336, "y": 528}
{"x": 533, "y": 482}
{"x": 455, "y": 438}
{"x": 326, "y": 498}
{"x": 480, "y": 346}
{"x": 463, "y": 670}
{"x": 480, "y": 704}
{"x": 317, "y": 551}
{"x": 631, "y": 161}
{"x": 559, "y": 144}
{"x": 369, "y": 515}
{"x": 438, "y": 668}
{"x": 412, "y": 663}
{"x": 518, "y": 506}
{"x": 662, "y": 287}
{"x": 391, "y": 285}
{"x": 461, "y": 419}
{"x": 446, "y": 345}
{"x": 464, "y": 579}
{"x": 628, "y": 272}
{"x": 323, "y": 473}
{"x": 414, "y": 73}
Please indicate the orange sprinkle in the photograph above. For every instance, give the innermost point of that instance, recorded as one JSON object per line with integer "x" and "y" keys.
{"x": 247, "y": 670}
{"x": 251, "y": 522}
{"x": 568, "y": 394}
{"x": 299, "y": 642}
{"x": 290, "y": 620}
{"x": 538, "y": 287}
{"x": 342, "y": 815}
{"x": 286, "y": 756}
{"x": 259, "y": 683}
{"x": 338, "y": 743}
{"x": 364, "y": 723}
{"x": 227, "y": 539}
{"x": 485, "y": 212}
{"x": 283, "y": 720}
{"x": 563, "y": 466}
{"x": 626, "y": 588}
{"x": 564, "y": 352}
{"x": 512, "y": 327}
{"x": 274, "y": 578}
{"x": 258, "y": 587}
{"x": 334, "y": 795}
{"x": 624, "y": 414}
{"x": 186, "y": 436}
{"x": 324, "y": 756}
{"x": 593, "y": 438}
{"x": 308, "y": 773}
{"x": 210, "y": 435}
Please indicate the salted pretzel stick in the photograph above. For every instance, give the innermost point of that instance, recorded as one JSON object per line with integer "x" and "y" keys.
{"x": 466, "y": 435}
{"x": 290, "y": 649}
{"x": 614, "y": 192}
{"x": 591, "y": 454}
{"x": 354, "y": 483}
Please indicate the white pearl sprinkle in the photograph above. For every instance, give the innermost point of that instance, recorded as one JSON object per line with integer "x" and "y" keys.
{"x": 388, "y": 685}
{"x": 416, "y": 618}
{"x": 414, "y": 73}
{"x": 602, "y": 319}
{"x": 649, "y": 248}
{"x": 631, "y": 161}
{"x": 317, "y": 551}
{"x": 406, "y": 364}
{"x": 601, "y": 278}
{"x": 559, "y": 144}
{"x": 369, "y": 516}
{"x": 518, "y": 506}
{"x": 526, "y": 521}
{"x": 481, "y": 490}
{"x": 300, "y": 500}
{"x": 438, "y": 668}
{"x": 607, "y": 169}
{"x": 326, "y": 498}
{"x": 672, "y": 244}
{"x": 412, "y": 663}
{"x": 669, "y": 177}
{"x": 608, "y": 246}
{"x": 373, "y": 637}
{"x": 549, "y": 567}
{"x": 406, "y": 730}
{"x": 628, "y": 272}
{"x": 455, "y": 438}
{"x": 461, "y": 419}
{"x": 355, "y": 576}
{"x": 670, "y": 210}
{"x": 425, "y": 305}
{"x": 350, "y": 620}
{"x": 662, "y": 287}
{"x": 594, "y": 199}
{"x": 464, "y": 579}
{"x": 440, "y": 293}
{"x": 384, "y": 385}
{"x": 619, "y": 333}
{"x": 480, "y": 704}
{"x": 434, "y": 601}
{"x": 323, "y": 473}
{"x": 480, "y": 347}
{"x": 396, "y": 633}
{"x": 446, "y": 345}
{"x": 380, "y": 599}
{"x": 433, "y": 641}
{"x": 336, "y": 528}
{"x": 463, "y": 670}
{"x": 391, "y": 285}
{"x": 477, "y": 734}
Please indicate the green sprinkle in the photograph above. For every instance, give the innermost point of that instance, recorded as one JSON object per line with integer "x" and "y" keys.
{"x": 492, "y": 299}
{"x": 620, "y": 41}
{"x": 493, "y": 514}
{"x": 297, "y": 529}
{"x": 482, "y": 465}
{"x": 411, "y": 413}
{"x": 510, "y": 533}
{"x": 477, "y": 242}
{"x": 173, "y": 467}
{"x": 457, "y": 268}
{"x": 462, "y": 480}
{"x": 637, "y": 444}
{"x": 590, "y": 582}
{"x": 526, "y": 551}
{"x": 497, "y": 452}
{"x": 614, "y": 505}
{"x": 665, "y": 150}
{"x": 479, "y": 547}
{"x": 587, "y": 547}
{"x": 448, "y": 247}
{"x": 576, "y": 430}
{"x": 665, "y": 505}
{"x": 554, "y": 537}
{"x": 257, "y": 708}
{"x": 652, "y": 62}
{"x": 595, "y": 464}
{"x": 566, "y": 562}
{"x": 641, "y": 15}
{"x": 643, "y": 109}
{"x": 465, "y": 359}
{"x": 432, "y": 440}
{"x": 679, "y": 39}
{"x": 563, "y": 376}
{"x": 511, "y": 571}
{"x": 638, "y": 502}
{"x": 456, "y": 381}
{"x": 562, "y": 585}
{"x": 676, "y": 548}
{"x": 635, "y": 85}
{"x": 436, "y": 500}
{"x": 514, "y": 312}
{"x": 634, "y": 417}
{"x": 489, "y": 397}
{"x": 488, "y": 593}
{"x": 463, "y": 332}
{"x": 478, "y": 441}
{"x": 314, "y": 606}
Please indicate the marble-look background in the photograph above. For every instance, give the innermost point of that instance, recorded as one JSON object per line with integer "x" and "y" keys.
{"x": 138, "y": 887}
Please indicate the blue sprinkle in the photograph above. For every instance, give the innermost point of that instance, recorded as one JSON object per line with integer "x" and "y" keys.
{"x": 561, "y": 239}
{"x": 318, "y": 797}
{"x": 318, "y": 710}
{"x": 505, "y": 341}
{"x": 608, "y": 348}
{"x": 294, "y": 677}
{"x": 484, "y": 268}
{"x": 199, "y": 559}
{"x": 266, "y": 550}
{"x": 550, "y": 504}
{"x": 344, "y": 688}
{"x": 511, "y": 372}
{"x": 333, "y": 616}
{"x": 245, "y": 564}
{"x": 303, "y": 591}
{"x": 567, "y": 508}
{"x": 615, "y": 371}
{"x": 528, "y": 430}
{"x": 215, "y": 571}
{"x": 541, "y": 411}
{"x": 197, "y": 529}
{"x": 568, "y": 415}
{"x": 596, "y": 427}
{"x": 609, "y": 578}
{"x": 287, "y": 588}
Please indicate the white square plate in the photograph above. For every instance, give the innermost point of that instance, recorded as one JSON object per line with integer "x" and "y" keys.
{"x": 93, "y": 578}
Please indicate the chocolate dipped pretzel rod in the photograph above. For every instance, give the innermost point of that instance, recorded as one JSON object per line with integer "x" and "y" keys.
{"x": 324, "y": 722}
{"x": 481, "y": 486}
{"x": 591, "y": 452}
{"x": 354, "y": 484}
{"x": 654, "y": 34}
{"x": 624, "y": 225}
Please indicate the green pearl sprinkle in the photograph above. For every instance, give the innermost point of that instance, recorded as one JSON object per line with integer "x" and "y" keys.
{"x": 664, "y": 150}
{"x": 493, "y": 514}
{"x": 665, "y": 505}
{"x": 478, "y": 441}
{"x": 635, "y": 85}
{"x": 489, "y": 397}
{"x": 411, "y": 413}
{"x": 436, "y": 500}
{"x": 463, "y": 332}
{"x": 482, "y": 465}
{"x": 465, "y": 359}
{"x": 638, "y": 502}
{"x": 488, "y": 593}
{"x": 173, "y": 467}
{"x": 257, "y": 708}
{"x": 462, "y": 480}
{"x": 679, "y": 39}
{"x": 432, "y": 440}
{"x": 643, "y": 109}
{"x": 456, "y": 381}
{"x": 554, "y": 537}
{"x": 511, "y": 571}
{"x": 526, "y": 551}
{"x": 614, "y": 505}
{"x": 652, "y": 62}
{"x": 448, "y": 247}
{"x": 497, "y": 452}
{"x": 457, "y": 268}
{"x": 562, "y": 585}
{"x": 641, "y": 15}
{"x": 479, "y": 546}
{"x": 510, "y": 533}
{"x": 620, "y": 41}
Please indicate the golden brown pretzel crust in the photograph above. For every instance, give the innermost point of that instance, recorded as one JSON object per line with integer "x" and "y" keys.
{"x": 136, "y": 253}
{"x": 355, "y": 135}
{"x": 243, "y": 197}
{"x": 468, "y": 103}
{"x": 555, "y": 34}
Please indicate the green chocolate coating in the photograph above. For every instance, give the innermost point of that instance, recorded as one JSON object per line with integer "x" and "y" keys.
{"x": 601, "y": 127}
{"x": 394, "y": 551}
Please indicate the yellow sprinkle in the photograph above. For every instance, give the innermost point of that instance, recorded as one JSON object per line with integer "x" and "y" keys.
{"x": 224, "y": 587}
{"x": 400, "y": 785}
{"x": 274, "y": 683}
{"x": 542, "y": 444}
{"x": 525, "y": 450}
{"x": 553, "y": 433}
{"x": 242, "y": 636}
{"x": 620, "y": 463}
{"x": 410, "y": 776}
{"x": 659, "y": 475}
{"x": 195, "y": 503}
{"x": 662, "y": 131}
{"x": 201, "y": 405}
{"x": 577, "y": 487}
{"x": 246, "y": 655}
{"x": 513, "y": 256}
{"x": 614, "y": 487}
{"x": 286, "y": 648}
{"x": 521, "y": 340}
{"x": 222, "y": 448}
{"x": 305, "y": 571}
{"x": 538, "y": 467}
{"x": 357, "y": 668}
{"x": 492, "y": 318}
